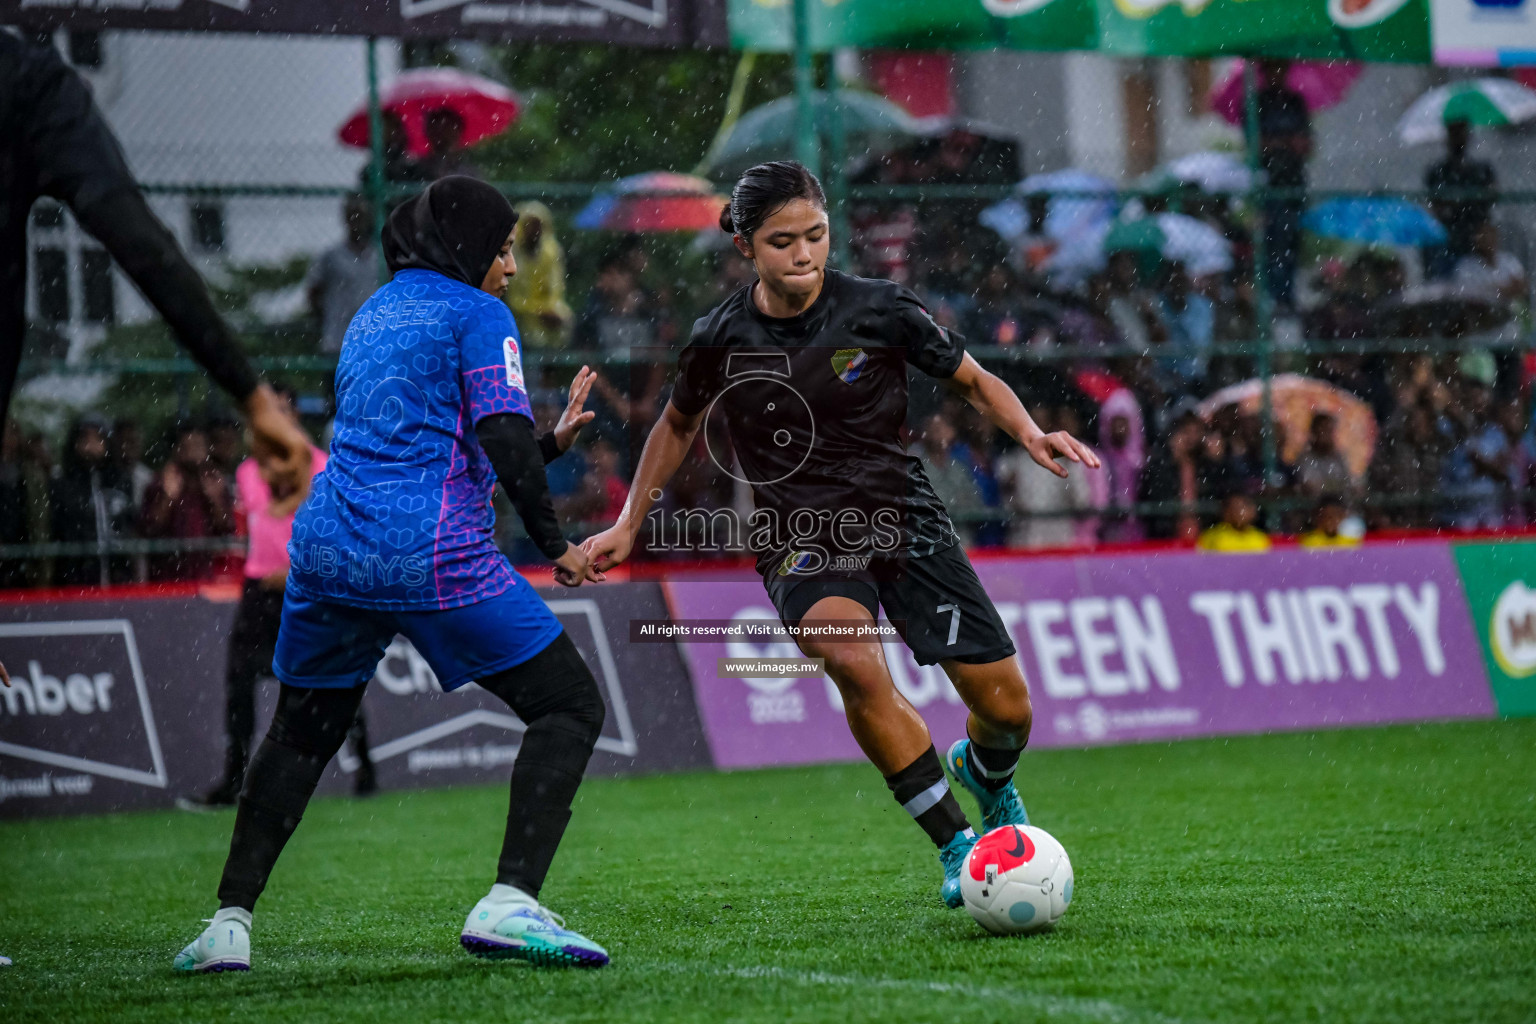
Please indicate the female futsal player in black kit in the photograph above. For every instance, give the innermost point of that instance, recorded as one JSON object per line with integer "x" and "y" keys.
{"x": 809, "y": 366}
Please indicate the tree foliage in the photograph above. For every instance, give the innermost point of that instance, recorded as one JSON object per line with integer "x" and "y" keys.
{"x": 597, "y": 113}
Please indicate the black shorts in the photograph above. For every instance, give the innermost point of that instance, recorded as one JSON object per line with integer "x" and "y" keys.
{"x": 935, "y": 602}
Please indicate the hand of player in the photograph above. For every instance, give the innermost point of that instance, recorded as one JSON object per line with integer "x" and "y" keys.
{"x": 5, "y": 677}
{"x": 1045, "y": 449}
{"x": 573, "y": 419}
{"x": 609, "y": 548}
{"x": 279, "y": 444}
{"x": 282, "y": 508}
{"x": 574, "y": 568}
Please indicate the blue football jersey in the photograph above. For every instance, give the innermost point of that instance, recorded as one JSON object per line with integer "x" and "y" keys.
{"x": 401, "y": 517}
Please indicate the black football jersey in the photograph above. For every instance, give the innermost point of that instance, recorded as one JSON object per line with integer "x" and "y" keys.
{"x": 814, "y": 405}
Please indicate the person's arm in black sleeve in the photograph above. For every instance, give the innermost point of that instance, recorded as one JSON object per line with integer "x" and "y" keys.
{"x": 151, "y": 258}
{"x": 937, "y": 351}
{"x": 517, "y": 458}
{"x": 549, "y": 447}
{"x": 80, "y": 163}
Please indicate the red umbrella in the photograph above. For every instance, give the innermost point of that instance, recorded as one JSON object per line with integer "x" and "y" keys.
{"x": 1295, "y": 400}
{"x": 1321, "y": 83}
{"x": 658, "y": 201}
{"x": 487, "y": 108}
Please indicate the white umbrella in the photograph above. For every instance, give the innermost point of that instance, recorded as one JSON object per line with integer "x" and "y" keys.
{"x": 1201, "y": 248}
{"x": 1079, "y": 199}
{"x": 1210, "y": 171}
{"x": 1482, "y": 101}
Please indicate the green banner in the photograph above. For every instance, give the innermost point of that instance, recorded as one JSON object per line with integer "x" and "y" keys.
{"x": 1200, "y": 28}
{"x": 1377, "y": 30}
{"x": 1500, "y": 580}
{"x": 1384, "y": 30}
{"x": 919, "y": 24}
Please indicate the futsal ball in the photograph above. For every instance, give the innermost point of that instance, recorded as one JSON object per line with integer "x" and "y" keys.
{"x": 1016, "y": 879}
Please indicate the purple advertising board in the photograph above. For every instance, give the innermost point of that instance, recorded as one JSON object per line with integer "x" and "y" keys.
{"x": 118, "y": 703}
{"x": 1142, "y": 647}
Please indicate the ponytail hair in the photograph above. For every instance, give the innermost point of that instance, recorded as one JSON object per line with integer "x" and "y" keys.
{"x": 763, "y": 191}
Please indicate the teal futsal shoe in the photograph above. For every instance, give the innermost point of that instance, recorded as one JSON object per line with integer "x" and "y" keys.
{"x": 952, "y": 856}
{"x": 999, "y": 807}
{"x": 225, "y": 945}
{"x": 511, "y": 925}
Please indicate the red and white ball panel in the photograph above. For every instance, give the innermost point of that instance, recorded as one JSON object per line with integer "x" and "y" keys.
{"x": 1016, "y": 879}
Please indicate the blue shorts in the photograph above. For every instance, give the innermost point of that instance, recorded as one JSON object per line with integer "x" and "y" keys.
{"x": 323, "y": 644}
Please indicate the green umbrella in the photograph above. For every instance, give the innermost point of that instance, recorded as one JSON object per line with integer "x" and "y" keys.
{"x": 768, "y": 132}
{"x": 1485, "y": 101}
{"x": 1173, "y": 236}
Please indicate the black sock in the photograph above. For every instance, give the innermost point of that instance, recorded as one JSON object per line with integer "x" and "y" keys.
{"x": 556, "y": 694}
{"x": 923, "y": 792}
{"x": 544, "y": 781}
{"x": 305, "y": 734}
{"x": 994, "y": 765}
{"x": 277, "y": 788}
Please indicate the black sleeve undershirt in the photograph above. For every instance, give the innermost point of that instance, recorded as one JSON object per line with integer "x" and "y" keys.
{"x": 518, "y": 460}
{"x": 549, "y": 448}
{"x": 122, "y": 222}
{"x": 61, "y": 134}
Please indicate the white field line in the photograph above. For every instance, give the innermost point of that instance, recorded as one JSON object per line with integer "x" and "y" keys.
{"x": 1046, "y": 1005}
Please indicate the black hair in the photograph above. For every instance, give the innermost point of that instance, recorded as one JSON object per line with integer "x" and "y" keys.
{"x": 615, "y": 260}
{"x": 180, "y": 428}
{"x": 763, "y": 191}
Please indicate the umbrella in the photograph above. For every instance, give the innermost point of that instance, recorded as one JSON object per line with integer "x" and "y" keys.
{"x": 1438, "y": 310}
{"x": 1211, "y": 172}
{"x": 658, "y": 201}
{"x": 769, "y": 132}
{"x": 1089, "y": 200}
{"x": 1374, "y": 221}
{"x": 1173, "y": 236}
{"x": 990, "y": 154}
{"x": 1321, "y": 83}
{"x": 1491, "y": 101}
{"x": 487, "y": 108}
{"x": 1295, "y": 399}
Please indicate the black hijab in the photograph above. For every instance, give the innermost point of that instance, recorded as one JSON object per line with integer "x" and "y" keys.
{"x": 456, "y": 227}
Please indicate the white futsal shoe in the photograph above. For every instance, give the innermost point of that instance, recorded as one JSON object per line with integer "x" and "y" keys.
{"x": 509, "y": 924}
{"x": 225, "y": 945}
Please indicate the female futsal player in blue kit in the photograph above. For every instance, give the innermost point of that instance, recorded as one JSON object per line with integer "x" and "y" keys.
{"x": 397, "y": 538}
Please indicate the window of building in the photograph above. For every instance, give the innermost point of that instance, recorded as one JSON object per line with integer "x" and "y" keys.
{"x": 85, "y": 49}
{"x": 96, "y": 287}
{"x": 72, "y": 285}
{"x": 425, "y": 53}
{"x": 52, "y": 285}
{"x": 208, "y": 225}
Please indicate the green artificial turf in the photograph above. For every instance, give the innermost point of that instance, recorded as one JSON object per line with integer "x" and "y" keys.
{"x": 1365, "y": 875}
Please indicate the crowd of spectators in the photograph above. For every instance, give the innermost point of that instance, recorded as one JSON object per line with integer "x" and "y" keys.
{"x": 1124, "y": 352}
{"x": 96, "y": 489}
{"x": 1127, "y": 354}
